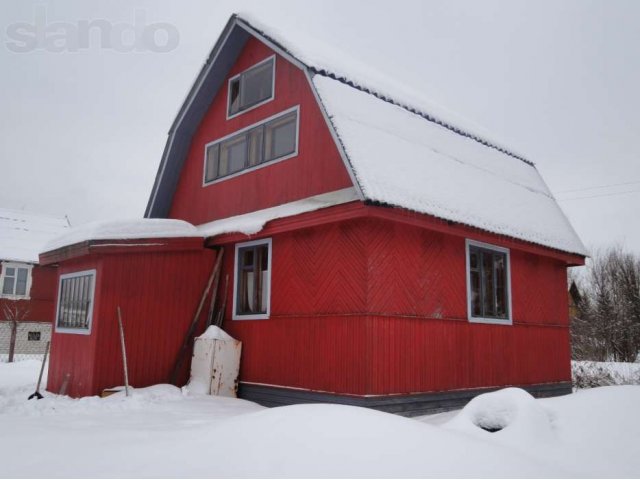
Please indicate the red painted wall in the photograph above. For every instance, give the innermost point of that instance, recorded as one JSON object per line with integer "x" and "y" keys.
{"x": 372, "y": 306}
{"x": 158, "y": 294}
{"x": 40, "y": 306}
{"x": 316, "y": 169}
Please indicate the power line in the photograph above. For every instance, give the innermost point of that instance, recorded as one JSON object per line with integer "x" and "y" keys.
{"x": 600, "y": 195}
{"x": 599, "y": 186}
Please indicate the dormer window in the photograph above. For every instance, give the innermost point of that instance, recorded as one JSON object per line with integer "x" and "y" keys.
{"x": 251, "y": 88}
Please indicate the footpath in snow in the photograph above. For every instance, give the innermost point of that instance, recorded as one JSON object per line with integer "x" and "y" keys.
{"x": 161, "y": 431}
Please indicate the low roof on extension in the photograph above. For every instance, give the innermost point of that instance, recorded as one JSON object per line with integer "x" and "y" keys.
{"x": 401, "y": 150}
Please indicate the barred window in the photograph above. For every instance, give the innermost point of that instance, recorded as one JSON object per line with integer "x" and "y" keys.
{"x": 33, "y": 336}
{"x": 75, "y": 302}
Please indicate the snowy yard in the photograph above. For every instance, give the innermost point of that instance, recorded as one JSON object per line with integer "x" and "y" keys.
{"x": 161, "y": 432}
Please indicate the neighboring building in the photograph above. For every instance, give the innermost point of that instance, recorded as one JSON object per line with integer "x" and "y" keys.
{"x": 26, "y": 289}
{"x": 378, "y": 253}
{"x": 575, "y": 297}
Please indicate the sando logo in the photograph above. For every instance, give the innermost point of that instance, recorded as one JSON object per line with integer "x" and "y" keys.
{"x": 56, "y": 37}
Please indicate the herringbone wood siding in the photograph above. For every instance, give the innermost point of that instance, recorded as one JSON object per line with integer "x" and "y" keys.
{"x": 372, "y": 306}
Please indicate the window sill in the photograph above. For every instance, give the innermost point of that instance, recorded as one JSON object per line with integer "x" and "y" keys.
{"x": 492, "y": 321}
{"x": 261, "y": 316}
{"x": 248, "y": 109}
{"x": 74, "y": 331}
{"x": 15, "y": 297}
{"x": 252, "y": 169}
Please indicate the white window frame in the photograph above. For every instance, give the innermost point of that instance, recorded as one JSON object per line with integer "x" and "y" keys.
{"x": 470, "y": 316}
{"x": 76, "y": 331}
{"x": 257, "y": 316}
{"x": 273, "y": 87}
{"x": 16, "y": 265}
{"x": 296, "y": 109}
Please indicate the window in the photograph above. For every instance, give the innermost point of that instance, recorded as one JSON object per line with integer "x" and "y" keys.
{"x": 75, "y": 302}
{"x": 488, "y": 283}
{"x": 252, "y": 290}
{"x": 252, "y": 87}
{"x": 15, "y": 280}
{"x": 33, "y": 336}
{"x": 273, "y": 139}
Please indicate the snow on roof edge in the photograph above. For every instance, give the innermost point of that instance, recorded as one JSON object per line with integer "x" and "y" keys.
{"x": 253, "y": 222}
{"x": 129, "y": 229}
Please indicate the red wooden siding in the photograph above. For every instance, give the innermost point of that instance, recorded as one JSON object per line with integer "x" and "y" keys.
{"x": 316, "y": 169}
{"x": 158, "y": 294}
{"x": 372, "y": 306}
{"x": 39, "y": 307}
{"x": 72, "y": 354}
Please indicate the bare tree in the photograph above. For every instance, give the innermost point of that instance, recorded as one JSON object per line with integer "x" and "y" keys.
{"x": 607, "y": 324}
{"x": 14, "y": 313}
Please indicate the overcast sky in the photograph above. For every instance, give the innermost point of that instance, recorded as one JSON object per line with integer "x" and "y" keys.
{"x": 82, "y": 133}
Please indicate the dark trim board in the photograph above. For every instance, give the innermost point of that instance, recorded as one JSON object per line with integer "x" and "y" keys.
{"x": 411, "y": 405}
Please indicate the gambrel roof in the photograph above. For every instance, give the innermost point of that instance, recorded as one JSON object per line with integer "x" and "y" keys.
{"x": 400, "y": 150}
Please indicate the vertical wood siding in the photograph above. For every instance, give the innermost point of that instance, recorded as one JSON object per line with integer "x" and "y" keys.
{"x": 378, "y": 307}
{"x": 158, "y": 294}
{"x": 73, "y": 354}
{"x": 316, "y": 169}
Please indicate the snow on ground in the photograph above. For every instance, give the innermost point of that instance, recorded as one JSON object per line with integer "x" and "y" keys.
{"x": 162, "y": 432}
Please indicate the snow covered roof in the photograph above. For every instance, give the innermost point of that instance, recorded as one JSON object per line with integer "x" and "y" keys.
{"x": 250, "y": 223}
{"x": 124, "y": 230}
{"x": 22, "y": 234}
{"x": 402, "y": 150}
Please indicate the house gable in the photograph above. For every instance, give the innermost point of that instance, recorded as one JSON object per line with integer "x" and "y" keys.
{"x": 316, "y": 168}
{"x": 396, "y": 149}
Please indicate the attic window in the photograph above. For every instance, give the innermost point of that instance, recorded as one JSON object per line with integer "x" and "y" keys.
{"x": 488, "y": 283}
{"x": 15, "y": 280}
{"x": 251, "y": 88}
{"x": 276, "y": 138}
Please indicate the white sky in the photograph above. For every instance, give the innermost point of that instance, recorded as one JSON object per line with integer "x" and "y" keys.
{"x": 82, "y": 133}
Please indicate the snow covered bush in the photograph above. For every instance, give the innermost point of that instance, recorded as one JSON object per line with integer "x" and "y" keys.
{"x": 602, "y": 374}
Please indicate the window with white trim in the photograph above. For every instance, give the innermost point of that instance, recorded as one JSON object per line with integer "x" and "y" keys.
{"x": 273, "y": 139}
{"x": 488, "y": 283}
{"x": 252, "y": 288}
{"x": 15, "y": 280}
{"x": 251, "y": 88}
{"x": 75, "y": 302}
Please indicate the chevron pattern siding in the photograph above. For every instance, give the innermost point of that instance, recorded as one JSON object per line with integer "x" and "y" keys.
{"x": 371, "y": 306}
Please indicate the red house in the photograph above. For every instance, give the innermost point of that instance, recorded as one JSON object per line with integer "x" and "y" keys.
{"x": 379, "y": 253}
{"x": 26, "y": 288}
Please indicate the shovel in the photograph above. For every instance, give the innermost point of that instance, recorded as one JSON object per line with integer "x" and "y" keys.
{"x": 37, "y": 393}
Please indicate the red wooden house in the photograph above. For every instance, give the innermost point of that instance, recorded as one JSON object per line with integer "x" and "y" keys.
{"x": 379, "y": 253}
{"x": 26, "y": 288}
